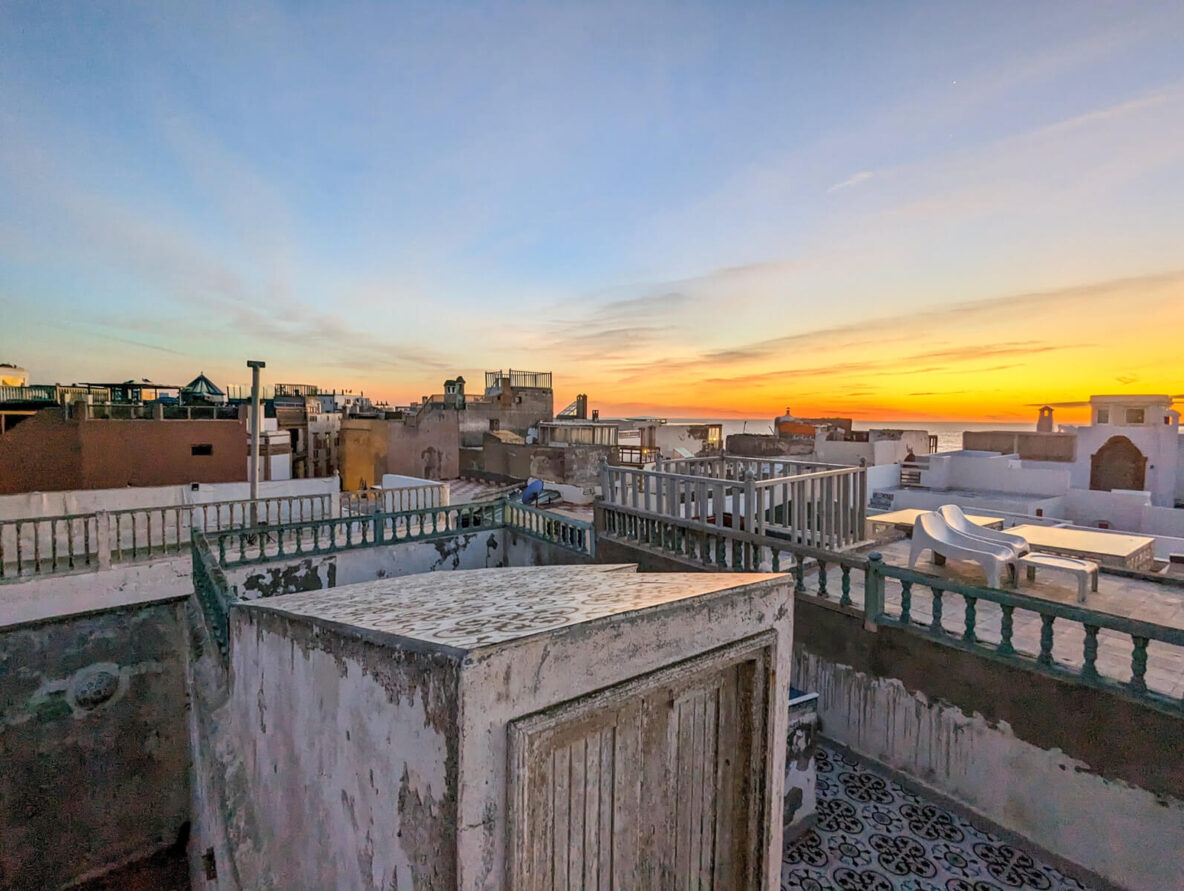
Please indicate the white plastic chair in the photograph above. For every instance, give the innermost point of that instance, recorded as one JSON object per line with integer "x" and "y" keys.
{"x": 931, "y": 532}
{"x": 958, "y": 521}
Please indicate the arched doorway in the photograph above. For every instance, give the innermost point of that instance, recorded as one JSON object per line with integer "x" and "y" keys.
{"x": 1117, "y": 465}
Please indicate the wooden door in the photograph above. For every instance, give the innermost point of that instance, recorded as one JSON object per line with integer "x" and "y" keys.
{"x": 659, "y": 782}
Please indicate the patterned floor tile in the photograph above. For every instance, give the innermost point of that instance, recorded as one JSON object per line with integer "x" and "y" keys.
{"x": 873, "y": 835}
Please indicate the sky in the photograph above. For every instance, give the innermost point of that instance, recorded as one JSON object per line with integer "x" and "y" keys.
{"x": 910, "y": 211}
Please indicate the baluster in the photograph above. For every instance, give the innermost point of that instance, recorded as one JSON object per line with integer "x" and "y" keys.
{"x": 776, "y": 562}
{"x": 845, "y": 586}
{"x": 36, "y": 546}
{"x": 222, "y": 550}
{"x": 1139, "y": 664}
{"x": 1045, "y": 657}
{"x": 822, "y": 579}
{"x": 906, "y": 601}
{"x": 20, "y": 557}
{"x": 85, "y": 539}
{"x": 799, "y": 573}
{"x": 135, "y": 546}
{"x": 968, "y": 634}
{"x": 70, "y": 542}
{"x": 242, "y": 547}
{"x": 1089, "y": 669}
{"x": 935, "y": 626}
{"x": 53, "y": 535}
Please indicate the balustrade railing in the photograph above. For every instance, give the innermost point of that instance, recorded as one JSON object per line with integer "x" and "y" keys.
{"x": 39, "y": 546}
{"x": 821, "y": 509}
{"x": 237, "y": 547}
{"x": 388, "y": 501}
{"x": 214, "y": 593}
{"x": 575, "y": 535}
{"x": 1068, "y": 641}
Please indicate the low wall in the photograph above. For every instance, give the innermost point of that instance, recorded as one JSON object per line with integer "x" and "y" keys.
{"x": 92, "y": 743}
{"x": 85, "y": 501}
{"x": 1079, "y": 772}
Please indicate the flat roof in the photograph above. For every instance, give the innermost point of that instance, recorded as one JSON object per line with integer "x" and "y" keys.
{"x": 467, "y": 609}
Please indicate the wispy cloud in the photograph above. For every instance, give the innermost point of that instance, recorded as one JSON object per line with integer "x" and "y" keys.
{"x": 853, "y": 180}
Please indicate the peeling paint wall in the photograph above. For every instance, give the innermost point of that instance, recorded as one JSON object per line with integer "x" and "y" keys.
{"x": 92, "y": 743}
{"x": 501, "y": 684}
{"x": 1126, "y": 834}
{"x": 338, "y": 735}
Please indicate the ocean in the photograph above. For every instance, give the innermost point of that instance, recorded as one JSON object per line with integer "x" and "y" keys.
{"x": 949, "y": 433}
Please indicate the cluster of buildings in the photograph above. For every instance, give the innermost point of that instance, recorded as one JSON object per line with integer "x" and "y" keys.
{"x": 204, "y": 691}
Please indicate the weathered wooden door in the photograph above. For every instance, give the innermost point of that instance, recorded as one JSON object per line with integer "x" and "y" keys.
{"x": 659, "y": 782}
{"x": 1117, "y": 465}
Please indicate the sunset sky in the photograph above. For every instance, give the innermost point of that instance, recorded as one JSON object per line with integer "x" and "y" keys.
{"x": 912, "y": 211}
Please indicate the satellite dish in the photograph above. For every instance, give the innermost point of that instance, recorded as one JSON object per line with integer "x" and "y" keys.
{"x": 532, "y": 491}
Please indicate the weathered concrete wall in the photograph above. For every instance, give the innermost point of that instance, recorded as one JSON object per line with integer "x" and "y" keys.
{"x": 1027, "y": 444}
{"x": 758, "y": 445}
{"x": 427, "y": 447}
{"x": 574, "y": 465}
{"x": 516, "y": 410}
{"x": 349, "y": 752}
{"x": 92, "y": 743}
{"x": 500, "y": 684}
{"x": 1078, "y": 771}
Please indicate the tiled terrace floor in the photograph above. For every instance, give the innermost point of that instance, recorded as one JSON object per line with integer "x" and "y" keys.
{"x": 1136, "y": 598}
{"x": 873, "y": 835}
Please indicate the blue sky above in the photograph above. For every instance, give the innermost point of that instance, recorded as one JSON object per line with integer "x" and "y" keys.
{"x": 382, "y": 195}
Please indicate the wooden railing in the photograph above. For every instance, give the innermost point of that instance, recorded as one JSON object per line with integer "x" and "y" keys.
{"x": 39, "y": 546}
{"x": 732, "y": 467}
{"x": 979, "y": 619}
{"x": 820, "y": 509}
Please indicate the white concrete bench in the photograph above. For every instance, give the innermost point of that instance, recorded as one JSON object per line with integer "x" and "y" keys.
{"x": 1085, "y": 570}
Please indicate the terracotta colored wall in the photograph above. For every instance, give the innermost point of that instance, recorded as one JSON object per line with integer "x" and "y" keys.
{"x": 363, "y": 452}
{"x": 159, "y": 453}
{"x": 41, "y": 454}
{"x": 50, "y": 454}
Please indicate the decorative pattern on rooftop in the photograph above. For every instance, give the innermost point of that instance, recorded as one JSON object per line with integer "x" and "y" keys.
{"x": 874, "y": 835}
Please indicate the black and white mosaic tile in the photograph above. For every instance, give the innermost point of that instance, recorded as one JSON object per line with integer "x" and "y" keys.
{"x": 873, "y": 835}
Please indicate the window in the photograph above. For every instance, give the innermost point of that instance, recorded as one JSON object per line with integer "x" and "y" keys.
{"x": 1134, "y": 416}
{"x": 202, "y": 448}
{"x": 1103, "y": 416}
{"x": 494, "y": 425}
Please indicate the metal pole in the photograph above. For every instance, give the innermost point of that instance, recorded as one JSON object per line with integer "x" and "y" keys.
{"x": 256, "y": 434}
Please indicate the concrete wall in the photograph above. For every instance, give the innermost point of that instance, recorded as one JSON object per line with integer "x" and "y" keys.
{"x": 1077, "y": 771}
{"x": 1029, "y": 445}
{"x": 927, "y": 499}
{"x": 1159, "y": 443}
{"x": 92, "y": 743}
{"x": 85, "y": 501}
{"x": 993, "y": 473}
{"x": 349, "y": 755}
{"x": 515, "y": 410}
{"x": 427, "y": 447}
{"x": 882, "y": 476}
{"x": 572, "y": 465}
{"x": 49, "y": 453}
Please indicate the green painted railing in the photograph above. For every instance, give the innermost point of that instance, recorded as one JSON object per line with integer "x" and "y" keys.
{"x": 716, "y": 548}
{"x": 288, "y": 540}
{"x": 38, "y": 546}
{"x": 214, "y": 593}
{"x": 575, "y": 535}
{"x": 240, "y": 547}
